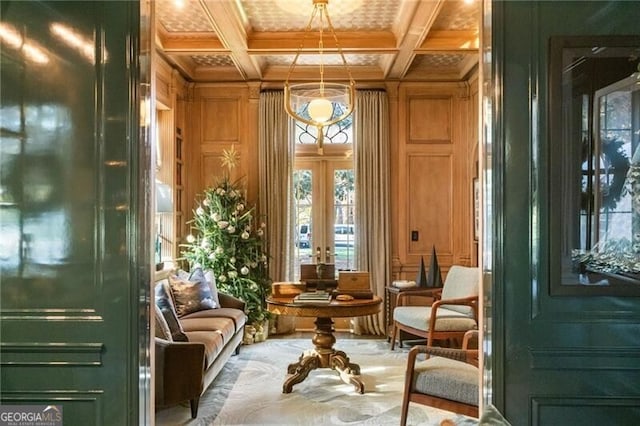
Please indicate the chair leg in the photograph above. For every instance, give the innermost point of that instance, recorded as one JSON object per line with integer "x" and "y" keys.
{"x": 194, "y": 407}
{"x": 393, "y": 336}
{"x": 408, "y": 382}
{"x": 405, "y": 410}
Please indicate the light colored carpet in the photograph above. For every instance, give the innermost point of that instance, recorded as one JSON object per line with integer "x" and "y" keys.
{"x": 248, "y": 391}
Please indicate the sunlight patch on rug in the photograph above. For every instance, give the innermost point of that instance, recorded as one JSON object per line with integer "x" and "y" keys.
{"x": 248, "y": 391}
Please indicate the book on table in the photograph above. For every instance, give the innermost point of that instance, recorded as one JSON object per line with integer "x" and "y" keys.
{"x": 313, "y": 297}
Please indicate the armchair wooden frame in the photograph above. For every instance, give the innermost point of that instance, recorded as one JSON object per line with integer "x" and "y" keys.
{"x": 469, "y": 356}
{"x": 432, "y": 333}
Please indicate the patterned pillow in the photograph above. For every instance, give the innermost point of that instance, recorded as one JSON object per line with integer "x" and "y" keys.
{"x": 199, "y": 275}
{"x": 164, "y": 301}
{"x": 191, "y": 296}
{"x": 162, "y": 328}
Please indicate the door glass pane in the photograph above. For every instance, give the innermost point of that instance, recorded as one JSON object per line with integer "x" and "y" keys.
{"x": 303, "y": 196}
{"x": 615, "y": 221}
{"x": 344, "y": 228}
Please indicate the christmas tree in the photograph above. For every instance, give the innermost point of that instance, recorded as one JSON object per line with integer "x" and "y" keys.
{"x": 229, "y": 240}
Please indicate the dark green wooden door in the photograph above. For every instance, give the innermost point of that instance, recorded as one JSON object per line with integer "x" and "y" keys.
{"x": 559, "y": 359}
{"x": 73, "y": 270}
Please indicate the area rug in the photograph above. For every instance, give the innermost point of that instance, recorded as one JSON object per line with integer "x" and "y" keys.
{"x": 248, "y": 391}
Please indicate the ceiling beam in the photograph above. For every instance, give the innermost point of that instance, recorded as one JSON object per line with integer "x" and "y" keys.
{"x": 415, "y": 25}
{"x": 188, "y": 44}
{"x": 450, "y": 40}
{"x": 373, "y": 41}
{"x": 226, "y": 19}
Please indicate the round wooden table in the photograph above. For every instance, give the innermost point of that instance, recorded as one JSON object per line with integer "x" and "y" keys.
{"x": 324, "y": 355}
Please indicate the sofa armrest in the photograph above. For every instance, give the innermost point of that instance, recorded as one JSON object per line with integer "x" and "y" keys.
{"x": 179, "y": 368}
{"x": 229, "y": 301}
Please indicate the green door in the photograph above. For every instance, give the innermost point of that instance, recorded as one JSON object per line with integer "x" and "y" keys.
{"x": 562, "y": 355}
{"x": 73, "y": 254}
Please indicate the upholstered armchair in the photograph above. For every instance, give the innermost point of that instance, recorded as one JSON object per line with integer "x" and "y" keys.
{"x": 453, "y": 312}
{"x": 447, "y": 379}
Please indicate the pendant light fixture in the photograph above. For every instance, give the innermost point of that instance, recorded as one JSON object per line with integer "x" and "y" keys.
{"x": 316, "y": 103}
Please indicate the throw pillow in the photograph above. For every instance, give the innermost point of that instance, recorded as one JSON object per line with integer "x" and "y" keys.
{"x": 162, "y": 328}
{"x": 164, "y": 301}
{"x": 199, "y": 275}
{"x": 190, "y": 296}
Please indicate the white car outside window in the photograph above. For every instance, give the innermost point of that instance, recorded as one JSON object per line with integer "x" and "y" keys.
{"x": 344, "y": 235}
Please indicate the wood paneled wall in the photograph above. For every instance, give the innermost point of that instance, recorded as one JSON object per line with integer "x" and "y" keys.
{"x": 224, "y": 118}
{"x": 434, "y": 132}
{"x": 434, "y": 170}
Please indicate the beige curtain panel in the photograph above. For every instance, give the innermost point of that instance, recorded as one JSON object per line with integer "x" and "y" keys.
{"x": 372, "y": 171}
{"x": 276, "y": 155}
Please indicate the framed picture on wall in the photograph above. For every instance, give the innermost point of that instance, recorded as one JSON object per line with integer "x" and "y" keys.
{"x": 476, "y": 209}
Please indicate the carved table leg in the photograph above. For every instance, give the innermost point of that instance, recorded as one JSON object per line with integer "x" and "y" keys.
{"x": 323, "y": 356}
{"x": 349, "y": 372}
{"x": 299, "y": 371}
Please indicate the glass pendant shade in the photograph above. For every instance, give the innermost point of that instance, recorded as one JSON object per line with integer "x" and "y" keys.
{"x": 314, "y": 105}
{"x": 320, "y": 110}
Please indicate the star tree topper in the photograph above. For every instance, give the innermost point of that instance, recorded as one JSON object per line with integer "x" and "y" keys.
{"x": 230, "y": 157}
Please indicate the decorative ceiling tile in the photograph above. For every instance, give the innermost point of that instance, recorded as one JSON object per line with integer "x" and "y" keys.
{"x": 293, "y": 15}
{"x": 328, "y": 59}
{"x": 182, "y": 16}
{"x": 458, "y": 15}
{"x": 439, "y": 61}
{"x": 212, "y": 60}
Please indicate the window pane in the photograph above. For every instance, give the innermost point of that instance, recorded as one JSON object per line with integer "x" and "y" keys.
{"x": 344, "y": 228}
{"x": 303, "y": 195}
{"x": 339, "y": 133}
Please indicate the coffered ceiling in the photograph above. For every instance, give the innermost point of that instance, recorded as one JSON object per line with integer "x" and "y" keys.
{"x": 252, "y": 40}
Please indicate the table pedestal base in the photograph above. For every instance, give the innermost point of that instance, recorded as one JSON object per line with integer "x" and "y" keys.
{"x": 323, "y": 356}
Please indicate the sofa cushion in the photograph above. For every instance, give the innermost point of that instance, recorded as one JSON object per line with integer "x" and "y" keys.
{"x": 162, "y": 328}
{"x": 221, "y": 325}
{"x": 212, "y": 341}
{"x": 239, "y": 317}
{"x": 164, "y": 301}
{"x": 190, "y": 296}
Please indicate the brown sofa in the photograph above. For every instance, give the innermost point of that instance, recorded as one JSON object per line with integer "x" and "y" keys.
{"x": 185, "y": 369}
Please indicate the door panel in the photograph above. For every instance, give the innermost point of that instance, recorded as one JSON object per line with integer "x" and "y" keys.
{"x": 324, "y": 203}
{"x": 567, "y": 359}
{"x": 69, "y": 293}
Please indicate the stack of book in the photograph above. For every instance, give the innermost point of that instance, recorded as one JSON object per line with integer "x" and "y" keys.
{"x": 313, "y": 298}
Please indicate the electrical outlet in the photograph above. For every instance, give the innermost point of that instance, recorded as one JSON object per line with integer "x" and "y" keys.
{"x": 414, "y": 235}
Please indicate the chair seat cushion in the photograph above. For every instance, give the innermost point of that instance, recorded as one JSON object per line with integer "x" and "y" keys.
{"x": 447, "y": 320}
{"x": 446, "y": 378}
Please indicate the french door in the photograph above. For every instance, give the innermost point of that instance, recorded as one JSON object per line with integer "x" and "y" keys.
{"x": 324, "y": 193}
